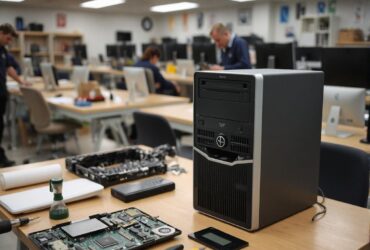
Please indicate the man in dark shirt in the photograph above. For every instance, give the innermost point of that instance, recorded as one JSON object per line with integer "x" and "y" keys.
{"x": 7, "y": 33}
{"x": 149, "y": 61}
{"x": 234, "y": 50}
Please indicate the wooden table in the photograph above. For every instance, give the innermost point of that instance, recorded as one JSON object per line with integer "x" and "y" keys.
{"x": 185, "y": 80}
{"x": 181, "y": 117}
{"x": 93, "y": 69}
{"x": 343, "y": 227}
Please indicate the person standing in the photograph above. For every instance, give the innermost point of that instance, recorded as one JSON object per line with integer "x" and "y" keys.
{"x": 234, "y": 50}
{"x": 7, "y": 33}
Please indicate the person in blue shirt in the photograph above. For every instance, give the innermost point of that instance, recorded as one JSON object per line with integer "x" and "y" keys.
{"x": 149, "y": 60}
{"x": 7, "y": 33}
{"x": 234, "y": 50}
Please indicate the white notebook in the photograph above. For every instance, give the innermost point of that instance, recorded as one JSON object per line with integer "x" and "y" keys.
{"x": 40, "y": 198}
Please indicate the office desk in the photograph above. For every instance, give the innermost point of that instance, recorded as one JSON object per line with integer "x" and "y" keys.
{"x": 93, "y": 69}
{"x": 185, "y": 80}
{"x": 181, "y": 118}
{"x": 343, "y": 227}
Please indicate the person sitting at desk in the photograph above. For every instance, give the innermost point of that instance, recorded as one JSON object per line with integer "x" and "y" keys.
{"x": 149, "y": 61}
{"x": 234, "y": 50}
{"x": 7, "y": 33}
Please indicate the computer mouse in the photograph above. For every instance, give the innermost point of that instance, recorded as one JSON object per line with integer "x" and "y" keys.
{"x": 58, "y": 95}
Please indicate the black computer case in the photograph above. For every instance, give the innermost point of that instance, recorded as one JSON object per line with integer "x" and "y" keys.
{"x": 256, "y": 144}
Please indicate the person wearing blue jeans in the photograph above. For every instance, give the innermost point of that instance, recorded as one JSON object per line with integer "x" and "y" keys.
{"x": 234, "y": 50}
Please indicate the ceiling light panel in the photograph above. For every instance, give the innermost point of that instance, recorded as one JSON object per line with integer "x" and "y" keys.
{"x": 97, "y": 4}
{"x": 174, "y": 7}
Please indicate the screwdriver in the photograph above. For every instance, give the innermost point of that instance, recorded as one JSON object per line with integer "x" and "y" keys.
{"x": 6, "y": 225}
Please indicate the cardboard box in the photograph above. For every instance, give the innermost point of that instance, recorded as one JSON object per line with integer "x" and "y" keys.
{"x": 350, "y": 35}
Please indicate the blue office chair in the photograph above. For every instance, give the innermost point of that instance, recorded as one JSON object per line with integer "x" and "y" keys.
{"x": 344, "y": 174}
{"x": 154, "y": 130}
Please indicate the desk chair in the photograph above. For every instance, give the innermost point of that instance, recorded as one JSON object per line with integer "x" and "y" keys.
{"x": 150, "y": 80}
{"x": 40, "y": 115}
{"x": 344, "y": 174}
{"x": 153, "y": 130}
{"x": 80, "y": 74}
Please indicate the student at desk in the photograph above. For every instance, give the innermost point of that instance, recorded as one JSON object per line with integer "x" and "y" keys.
{"x": 149, "y": 61}
{"x": 234, "y": 50}
{"x": 7, "y": 33}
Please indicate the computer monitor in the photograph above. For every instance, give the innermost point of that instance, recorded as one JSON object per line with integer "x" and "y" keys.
{"x": 136, "y": 83}
{"x": 127, "y": 51}
{"x": 201, "y": 39}
{"x": 123, "y": 36}
{"x": 343, "y": 105}
{"x": 308, "y": 54}
{"x": 80, "y": 51}
{"x": 80, "y": 74}
{"x": 49, "y": 76}
{"x": 346, "y": 67}
{"x": 253, "y": 39}
{"x": 113, "y": 51}
{"x": 204, "y": 53}
{"x": 27, "y": 68}
{"x": 173, "y": 51}
{"x": 166, "y": 40}
{"x": 275, "y": 55}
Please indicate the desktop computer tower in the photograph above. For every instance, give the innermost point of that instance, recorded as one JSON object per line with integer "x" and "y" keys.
{"x": 256, "y": 144}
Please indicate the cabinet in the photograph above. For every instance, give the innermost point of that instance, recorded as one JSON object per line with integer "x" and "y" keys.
{"x": 63, "y": 45}
{"x": 320, "y": 31}
{"x": 44, "y": 46}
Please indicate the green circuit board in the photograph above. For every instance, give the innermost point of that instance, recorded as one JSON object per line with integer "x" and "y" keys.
{"x": 126, "y": 229}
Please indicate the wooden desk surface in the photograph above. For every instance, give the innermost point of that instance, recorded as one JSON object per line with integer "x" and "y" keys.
{"x": 109, "y": 106}
{"x": 93, "y": 69}
{"x": 67, "y": 86}
{"x": 343, "y": 227}
{"x": 182, "y": 114}
{"x": 186, "y": 80}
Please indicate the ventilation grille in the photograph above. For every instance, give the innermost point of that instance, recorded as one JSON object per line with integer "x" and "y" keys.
{"x": 239, "y": 144}
{"x": 205, "y": 137}
{"x": 223, "y": 190}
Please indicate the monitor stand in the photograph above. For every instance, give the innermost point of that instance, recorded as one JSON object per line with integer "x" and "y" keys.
{"x": 332, "y": 124}
{"x": 271, "y": 62}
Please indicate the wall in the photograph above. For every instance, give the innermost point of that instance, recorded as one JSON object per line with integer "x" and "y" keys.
{"x": 97, "y": 29}
{"x": 344, "y": 9}
{"x": 261, "y": 13}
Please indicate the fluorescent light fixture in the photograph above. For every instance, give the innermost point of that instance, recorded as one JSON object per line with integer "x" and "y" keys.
{"x": 174, "y": 7}
{"x": 97, "y": 4}
{"x": 241, "y": 1}
{"x": 17, "y": 1}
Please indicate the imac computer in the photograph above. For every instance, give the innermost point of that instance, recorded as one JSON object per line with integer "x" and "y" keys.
{"x": 343, "y": 105}
{"x": 173, "y": 51}
{"x": 80, "y": 74}
{"x": 27, "y": 68}
{"x": 166, "y": 40}
{"x": 136, "y": 83}
{"x": 308, "y": 54}
{"x": 201, "y": 39}
{"x": 80, "y": 51}
{"x": 127, "y": 51}
{"x": 185, "y": 67}
{"x": 204, "y": 53}
{"x": 275, "y": 55}
{"x": 123, "y": 36}
{"x": 113, "y": 51}
{"x": 49, "y": 76}
{"x": 347, "y": 67}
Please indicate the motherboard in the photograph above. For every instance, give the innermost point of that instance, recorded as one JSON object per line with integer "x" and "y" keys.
{"x": 118, "y": 166}
{"x": 130, "y": 228}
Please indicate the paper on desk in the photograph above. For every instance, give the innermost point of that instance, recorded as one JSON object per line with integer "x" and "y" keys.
{"x": 12, "y": 85}
{"x": 62, "y": 82}
{"x": 61, "y": 100}
{"x": 40, "y": 198}
{"x": 29, "y": 176}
